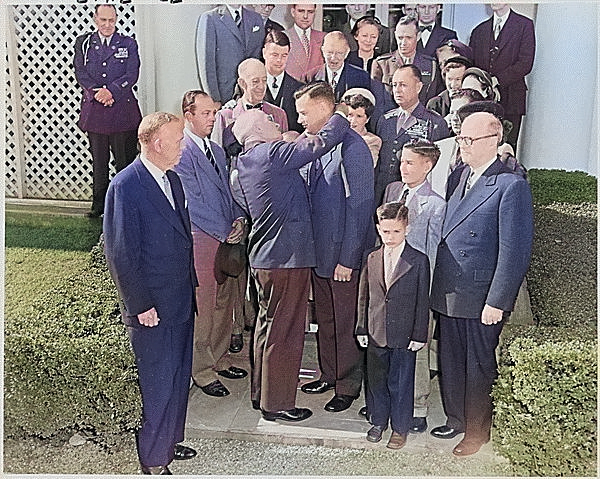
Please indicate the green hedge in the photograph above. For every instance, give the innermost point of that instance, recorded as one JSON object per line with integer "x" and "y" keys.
{"x": 68, "y": 365}
{"x": 545, "y": 408}
{"x": 545, "y": 398}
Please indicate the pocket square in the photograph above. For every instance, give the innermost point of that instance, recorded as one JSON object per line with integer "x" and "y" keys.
{"x": 255, "y": 28}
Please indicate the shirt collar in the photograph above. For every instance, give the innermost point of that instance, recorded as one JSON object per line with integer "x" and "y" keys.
{"x": 233, "y": 10}
{"x": 502, "y": 18}
{"x": 199, "y": 141}
{"x": 338, "y": 73}
{"x": 279, "y": 78}
{"x": 102, "y": 38}
{"x": 299, "y": 31}
{"x": 477, "y": 172}
{"x": 154, "y": 170}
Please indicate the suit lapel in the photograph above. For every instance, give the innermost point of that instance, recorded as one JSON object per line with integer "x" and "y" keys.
{"x": 402, "y": 267}
{"x": 227, "y": 20}
{"x": 477, "y": 195}
{"x": 157, "y": 197}
{"x": 205, "y": 166}
{"x": 506, "y": 32}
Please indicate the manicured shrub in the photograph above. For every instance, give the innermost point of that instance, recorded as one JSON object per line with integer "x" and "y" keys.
{"x": 68, "y": 364}
{"x": 560, "y": 186}
{"x": 545, "y": 407}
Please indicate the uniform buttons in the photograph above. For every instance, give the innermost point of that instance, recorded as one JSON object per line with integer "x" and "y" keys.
{"x": 387, "y": 300}
{"x": 104, "y": 74}
{"x": 103, "y": 64}
{"x": 472, "y": 233}
{"x": 462, "y": 253}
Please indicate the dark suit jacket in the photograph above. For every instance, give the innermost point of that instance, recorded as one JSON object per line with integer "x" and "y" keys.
{"x": 221, "y": 46}
{"x": 117, "y": 68}
{"x": 342, "y": 205}
{"x": 271, "y": 25}
{"x": 440, "y": 103}
{"x": 210, "y": 203}
{"x": 509, "y": 58}
{"x": 351, "y": 77}
{"x": 422, "y": 124}
{"x": 396, "y": 316}
{"x": 486, "y": 244}
{"x": 439, "y": 36}
{"x": 148, "y": 246}
{"x": 285, "y": 100}
{"x": 267, "y": 182}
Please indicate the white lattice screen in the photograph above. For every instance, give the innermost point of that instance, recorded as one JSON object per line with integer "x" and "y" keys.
{"x": 47, "y": 155}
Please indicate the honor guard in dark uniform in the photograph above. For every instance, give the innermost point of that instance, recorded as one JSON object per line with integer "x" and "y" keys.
{"x": 107, "y": 67}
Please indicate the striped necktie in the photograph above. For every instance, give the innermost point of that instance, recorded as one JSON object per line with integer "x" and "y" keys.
{"x": 305, "y": 42}
{"x": 210, "y": 156}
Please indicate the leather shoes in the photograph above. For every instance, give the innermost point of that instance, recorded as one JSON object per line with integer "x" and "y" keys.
{"x": 445, "y": 432}
{"x": 466, "y": 448}
{"x": 419, "y": 424}
{"x": 397, "y": 440}
{"x": 255, "y": 404}
{"x": 183, "y": 452}
{"x": 339, "y": 402}
{"x": 156, "y": 470}
{"x": 374, "y": 434}
{"x": 233, "y": 373}
{"x": 296, "y": 414}
{"x": 363, "y": 411}
{"x": 237, "y": 343}
{"x": 215, "y": 388}
{"x": 317, "y": 387}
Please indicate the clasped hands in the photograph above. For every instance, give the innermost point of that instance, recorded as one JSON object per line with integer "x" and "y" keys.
{"x": 104, "y": 96}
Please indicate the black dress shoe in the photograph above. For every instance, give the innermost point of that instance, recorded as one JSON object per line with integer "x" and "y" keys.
{"x": 233, "y": 373}
{"x": 445, "y": 432}
{"x": 156, "y": 470}
{"x": 317, "y": 387}
{"x": 296, "y": 414}
{"x": 255, "y": 404}
{"x": 363, "y": 411}
{"x": 215, "y": 388}
{"x": 339, "y": 402}
{"x": 94, "y": 213}
{"x": 183, "y": 452}
{"x": 237, "y": 343}
{"x": 419, "y": 424}
{"x": 375, "y": 433}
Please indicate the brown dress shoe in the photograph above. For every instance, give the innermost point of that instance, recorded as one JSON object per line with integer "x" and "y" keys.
{"x": 397, "y": 440}
{"x": 466, "y": 448}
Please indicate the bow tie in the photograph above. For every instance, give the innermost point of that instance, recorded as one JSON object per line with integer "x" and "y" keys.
{"x": 425, "y": 27}
{"x": 258, "y": 106}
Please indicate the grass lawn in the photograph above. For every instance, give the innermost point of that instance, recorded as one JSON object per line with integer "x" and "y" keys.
{"x": 41, "y": 250}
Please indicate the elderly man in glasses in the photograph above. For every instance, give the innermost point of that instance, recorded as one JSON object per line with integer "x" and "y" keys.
{"x": 481, "y": 261}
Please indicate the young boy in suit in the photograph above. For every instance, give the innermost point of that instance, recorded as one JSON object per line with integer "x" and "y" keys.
{"x": 392, "y": 323}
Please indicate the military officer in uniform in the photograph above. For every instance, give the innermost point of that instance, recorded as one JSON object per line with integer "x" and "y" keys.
{"x": 407, "y": 36}
{"x": 107, "y": 67}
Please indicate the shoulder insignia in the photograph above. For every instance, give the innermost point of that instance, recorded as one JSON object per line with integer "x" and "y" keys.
{"x": 391, "y": 113}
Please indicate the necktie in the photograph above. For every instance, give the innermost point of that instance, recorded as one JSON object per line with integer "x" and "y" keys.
{"x": 315, "y": 170}
{"x": 406, "y": 60}
{"x": 404, "y": 196}
{"x": 333, "y": 80}
{"x": 210, "y": 156}
{"x": 305, "y": 42}
{"x": 388, "y": 267}
{"x": 425, "y": 27}
{"x": 275, "y": 85}
{"x": 258, "y": 106}
{"x": 402, "y": 117}
{"x": 237, "y": 18}
{"x": 168, "y": 191}
{"x": 497, "y": 28}
{"x": 469, "y": 183}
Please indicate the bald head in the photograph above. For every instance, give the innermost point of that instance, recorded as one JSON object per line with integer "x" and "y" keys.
{"x": 484, "y": 131}
{"x": 335, "y": 50}
{"x": 252, "y": 78}
{"x": 253, "y": 127}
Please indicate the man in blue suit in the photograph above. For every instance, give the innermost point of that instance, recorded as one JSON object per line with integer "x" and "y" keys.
{"x": 482, "y": 259}
{"x": 432, "y": 34}
{"x": 148, "y": 247}
{"x": 226, "y": 36}
{"x": 341, "y": 194}
{"x": 268, "y": 183}
{"x": 216, "y": 219}
{"x": 107, "y": 66}
{"x": 340, "y": 75}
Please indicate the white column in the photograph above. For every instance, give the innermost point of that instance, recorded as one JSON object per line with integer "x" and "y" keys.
{"x": 560, "y": 129}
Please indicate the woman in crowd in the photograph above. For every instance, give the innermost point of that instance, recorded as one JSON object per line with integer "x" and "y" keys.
{"x": 480, "y": 80}
{"x": 366, "y": 34}
{"x": 361, "y": 103}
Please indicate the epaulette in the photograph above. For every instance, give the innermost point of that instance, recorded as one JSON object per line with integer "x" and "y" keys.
{"x": 391, "y": 113}
{"x": 387, "y": 56}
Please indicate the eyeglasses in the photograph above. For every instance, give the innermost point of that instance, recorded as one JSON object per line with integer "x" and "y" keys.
{"x": 468, "y": 141}
{"x": 335, "y": 54}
